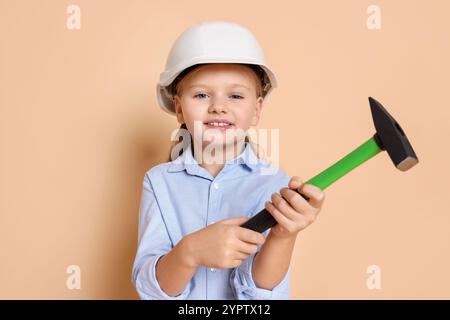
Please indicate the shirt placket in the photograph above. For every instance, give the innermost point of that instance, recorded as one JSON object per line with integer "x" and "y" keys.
{"x": 215, "y": 194}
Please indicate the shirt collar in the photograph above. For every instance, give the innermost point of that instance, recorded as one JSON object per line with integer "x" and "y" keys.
{"x": 187, "y": 162}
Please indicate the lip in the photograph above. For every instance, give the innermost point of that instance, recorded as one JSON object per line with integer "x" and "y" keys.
{"x": 219, "y": 121}
{"x": 228, "y": 124}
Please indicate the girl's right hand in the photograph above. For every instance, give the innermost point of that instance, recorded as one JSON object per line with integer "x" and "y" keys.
{"x": 221, "y": 245}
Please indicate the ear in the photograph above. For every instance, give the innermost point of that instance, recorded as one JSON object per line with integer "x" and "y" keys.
{"x": 178, "y": 109}
{"x": 258, "y": 108}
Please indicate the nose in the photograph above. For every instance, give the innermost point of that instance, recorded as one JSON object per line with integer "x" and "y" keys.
{"x": 218, "y": 105}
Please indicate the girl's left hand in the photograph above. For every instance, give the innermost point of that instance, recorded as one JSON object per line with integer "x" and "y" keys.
{"x": 292, "y": 212}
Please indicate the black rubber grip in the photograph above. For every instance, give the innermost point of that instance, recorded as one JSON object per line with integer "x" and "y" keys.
{"x": 263, "y": 220}
{"x": 260, "y": 222}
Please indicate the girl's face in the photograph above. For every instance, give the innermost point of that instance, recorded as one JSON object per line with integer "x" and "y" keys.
{"x": 215, "y": 92}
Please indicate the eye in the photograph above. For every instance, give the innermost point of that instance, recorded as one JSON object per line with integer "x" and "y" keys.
{"x": 200, "y": 95}
{"x": 237, "y": 96}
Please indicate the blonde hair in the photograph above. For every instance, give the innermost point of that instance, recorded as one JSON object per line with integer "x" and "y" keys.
{"x": 258, "y": 73}
{"x": 175, "y": 90}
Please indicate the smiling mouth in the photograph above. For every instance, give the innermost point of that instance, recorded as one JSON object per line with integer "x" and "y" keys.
{"x": 218, "y": 125}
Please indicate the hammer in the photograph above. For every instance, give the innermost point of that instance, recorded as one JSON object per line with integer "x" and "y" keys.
{"x": 389, "y": 136}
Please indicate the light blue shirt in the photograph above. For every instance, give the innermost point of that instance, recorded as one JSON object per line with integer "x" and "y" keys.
{"x": 180, "y": 197}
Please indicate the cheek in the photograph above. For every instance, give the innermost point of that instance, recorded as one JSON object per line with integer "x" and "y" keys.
{"x": 244, "y": 115}
{"x": 193, "y": 110}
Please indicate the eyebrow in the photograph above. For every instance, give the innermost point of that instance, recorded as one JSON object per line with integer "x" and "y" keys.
{"x": 233, "y": 85}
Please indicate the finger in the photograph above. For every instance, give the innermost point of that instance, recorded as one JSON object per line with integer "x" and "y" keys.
{"x": 277, "y": 215}
{"x": 236, "y": 263}
{"x": 250, "y": 236}
{"x": 316, "y": 195}
{"x": 297, "y": 202}
{"x": 285, "y": 207}
{"x": 301, "y": 220}
{"x": 247, "y": 248}
{"x": 234, "y": 221}
{"x": 240, "y": 255}
{"x": 299, "y": 205}
{"x": 295, "y": 182}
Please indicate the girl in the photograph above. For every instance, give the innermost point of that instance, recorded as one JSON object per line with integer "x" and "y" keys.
{"x": 191, "y": 245}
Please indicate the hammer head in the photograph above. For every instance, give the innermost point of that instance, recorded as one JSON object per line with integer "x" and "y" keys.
{"x": 391, "y": 137}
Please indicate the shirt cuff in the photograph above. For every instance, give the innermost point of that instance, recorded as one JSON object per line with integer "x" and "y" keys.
{"x": 148, "y": 287}
{"x": 245, "y": 288}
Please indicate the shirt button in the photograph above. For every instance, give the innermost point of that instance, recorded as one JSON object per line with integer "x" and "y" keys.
{"x": 216, "y": 185}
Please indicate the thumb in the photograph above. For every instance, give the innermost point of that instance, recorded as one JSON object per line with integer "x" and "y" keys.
{"x": 295, "y": 182}
{"x": 234, "y": 221}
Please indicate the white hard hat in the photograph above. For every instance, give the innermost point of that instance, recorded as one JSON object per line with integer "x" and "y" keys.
{"x": 212, "y": 42}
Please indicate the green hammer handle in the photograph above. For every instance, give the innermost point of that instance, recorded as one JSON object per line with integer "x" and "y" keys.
{"x": 264, "y": 220}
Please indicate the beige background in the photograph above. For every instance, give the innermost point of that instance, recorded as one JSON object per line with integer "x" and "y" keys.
{"x": 80, "y": 125}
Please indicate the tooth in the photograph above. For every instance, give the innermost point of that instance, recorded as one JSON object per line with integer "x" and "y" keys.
{"x": 219, "y": 124}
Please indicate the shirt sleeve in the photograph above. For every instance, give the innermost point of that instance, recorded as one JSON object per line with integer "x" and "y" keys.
{"x": 153, "y": 243}
{"x": 244, "y": 288}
